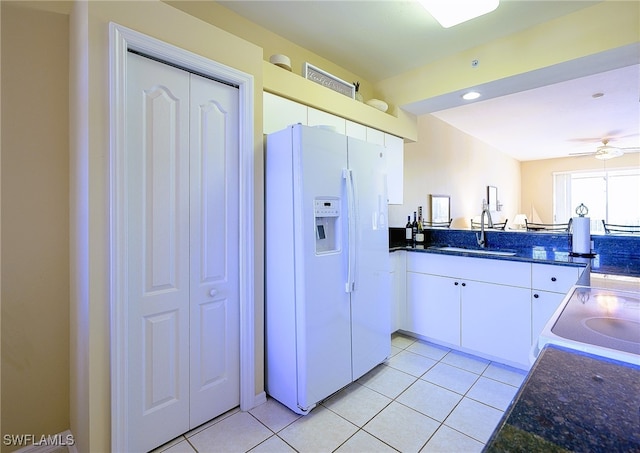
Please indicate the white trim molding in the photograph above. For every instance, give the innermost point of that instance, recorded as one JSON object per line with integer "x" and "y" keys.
{"x": 122, "y": 40}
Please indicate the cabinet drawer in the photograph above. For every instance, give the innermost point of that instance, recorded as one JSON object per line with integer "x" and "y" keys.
{"x": 501, "y": 272}
{"x": 424, "y": 263}
{"x": 554, "y": 278}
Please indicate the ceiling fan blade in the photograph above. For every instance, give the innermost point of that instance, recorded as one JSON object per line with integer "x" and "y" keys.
{"x": 581, "y": 154}
{"x": 585, "y": 139}
{"x": 611, "y": 136}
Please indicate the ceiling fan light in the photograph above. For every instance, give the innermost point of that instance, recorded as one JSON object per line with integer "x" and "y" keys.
{"x": 607, "y": 152}
{"x": 453, "y": 12}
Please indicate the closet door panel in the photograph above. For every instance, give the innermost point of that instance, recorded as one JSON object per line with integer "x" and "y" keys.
{"x": 157, "y": 177}
{"x": 214, "y": 219}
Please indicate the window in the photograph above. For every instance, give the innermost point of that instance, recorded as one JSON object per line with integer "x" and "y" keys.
{"x": 611, "y": 195}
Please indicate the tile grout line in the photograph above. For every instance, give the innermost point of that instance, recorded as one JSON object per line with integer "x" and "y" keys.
{"x": 465, "y": 395}
{"x": 415, "y": 379}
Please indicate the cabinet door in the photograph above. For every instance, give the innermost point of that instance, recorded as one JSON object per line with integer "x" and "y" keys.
{"x": 496, "y": 320}
{"x": 317, "y": 117}
{"x": 395, "y": 168}
{"x": 543, "y": 306}
{"x": 375, "y": 136}
{"x": 398, "y": 290}
{"x": 279, "y": 113}
{"x": 356, "y": 130}
{"x": 433, "y": 307}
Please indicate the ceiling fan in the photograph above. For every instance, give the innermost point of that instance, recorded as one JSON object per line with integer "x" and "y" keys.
{"x": 606, "y": 151}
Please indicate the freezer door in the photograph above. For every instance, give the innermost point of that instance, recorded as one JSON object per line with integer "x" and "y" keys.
{"x": 322, "y": 304}
{"x": 371, "y": 297}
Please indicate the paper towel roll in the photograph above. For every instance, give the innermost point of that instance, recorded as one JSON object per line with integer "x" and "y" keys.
{"x": 581, "y": 235}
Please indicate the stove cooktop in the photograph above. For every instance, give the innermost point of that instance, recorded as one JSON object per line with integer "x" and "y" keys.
{"x": 601, "y": 321}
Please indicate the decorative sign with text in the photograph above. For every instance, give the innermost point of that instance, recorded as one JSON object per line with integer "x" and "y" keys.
{"x": 330, "y": 81}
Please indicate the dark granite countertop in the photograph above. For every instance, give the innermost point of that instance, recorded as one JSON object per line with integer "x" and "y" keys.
{"x": 615, "y": 255}
{"x": 573, "y": 401}
{"x": 540, "y": 255}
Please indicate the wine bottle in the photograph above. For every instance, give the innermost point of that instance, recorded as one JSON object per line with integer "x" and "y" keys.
{"x": 414, "y": 227}
{"x": 420, "y": 232}
{"x": 408, "y": 231}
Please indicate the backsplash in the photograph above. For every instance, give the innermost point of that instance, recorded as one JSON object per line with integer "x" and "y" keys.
{"x": 613, "y": 253}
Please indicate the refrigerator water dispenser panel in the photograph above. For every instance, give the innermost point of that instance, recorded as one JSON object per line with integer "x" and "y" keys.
{"x": 327, "y": 214}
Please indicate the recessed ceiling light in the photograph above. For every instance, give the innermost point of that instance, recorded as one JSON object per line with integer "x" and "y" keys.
{"x": 470, "y": 95}
{"x": 451, "y": 12}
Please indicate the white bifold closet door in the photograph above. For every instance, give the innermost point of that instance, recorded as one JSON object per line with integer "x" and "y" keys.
{"x": 182, "y": 244}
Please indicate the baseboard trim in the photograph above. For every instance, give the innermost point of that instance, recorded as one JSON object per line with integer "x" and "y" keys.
{"x": 259, "y": 399}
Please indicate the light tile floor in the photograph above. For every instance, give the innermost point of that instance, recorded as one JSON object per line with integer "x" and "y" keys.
{"x": 425, "y": 398}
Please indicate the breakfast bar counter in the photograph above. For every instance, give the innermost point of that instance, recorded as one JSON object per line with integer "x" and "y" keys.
{"x": 573, "y": 401}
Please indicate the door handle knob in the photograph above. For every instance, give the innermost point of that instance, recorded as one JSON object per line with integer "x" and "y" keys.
{"x": 213, "y": 292}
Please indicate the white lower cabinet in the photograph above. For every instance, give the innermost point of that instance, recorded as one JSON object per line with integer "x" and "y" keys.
{"x": 485, "y": 306}
{"x": 543, "y": 306}
{"x": 433, "y": 307}
{"x": 398, "y": 274}
{"x": 549, "y": 283}
{"x": 496, "y": 320}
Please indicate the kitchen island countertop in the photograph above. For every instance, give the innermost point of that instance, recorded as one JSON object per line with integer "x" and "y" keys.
{"x": 573, "y": 401}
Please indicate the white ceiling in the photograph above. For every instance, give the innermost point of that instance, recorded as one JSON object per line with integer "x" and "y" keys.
{"x": 534, "y": 116}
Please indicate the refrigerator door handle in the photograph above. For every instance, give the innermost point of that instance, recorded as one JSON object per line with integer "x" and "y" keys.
{"x": 347, "y": 174}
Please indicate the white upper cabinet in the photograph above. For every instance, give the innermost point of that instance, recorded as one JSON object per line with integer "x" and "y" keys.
{"x": 317, "y": 117}
{"x": 375, "y": 136}
{"x": 356, "y": 130}
{"x": 395, "y": 168}
{"x": 279, "y": 113}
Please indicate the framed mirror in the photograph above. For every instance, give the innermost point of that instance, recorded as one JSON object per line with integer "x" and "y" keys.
{"x": 492, "y": 198}
{"x": 440, "y": 208}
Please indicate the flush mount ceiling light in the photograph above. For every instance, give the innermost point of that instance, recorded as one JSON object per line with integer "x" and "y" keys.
{"x": 471, "y": 95}
{"x": 454, "y": 12}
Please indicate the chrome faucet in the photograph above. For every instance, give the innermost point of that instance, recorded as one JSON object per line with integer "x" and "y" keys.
{"x": 480, "y": 237}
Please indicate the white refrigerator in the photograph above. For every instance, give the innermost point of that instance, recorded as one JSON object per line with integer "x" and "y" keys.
{"x": 327, "y": 288}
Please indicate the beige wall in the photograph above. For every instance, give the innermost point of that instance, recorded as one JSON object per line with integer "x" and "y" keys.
{"x": 270, "y": 42}
{"x": 537, "y": 180}
{"x": 291, "y": 84}
{"x": 35, "y": 222}
{"x": 447, "y": 161}
{"x": 0, "y": 215}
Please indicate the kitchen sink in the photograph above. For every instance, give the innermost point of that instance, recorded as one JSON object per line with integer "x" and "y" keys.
{"x": 474, "y": 251}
